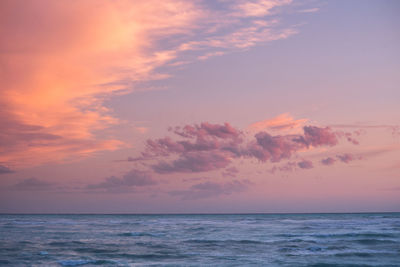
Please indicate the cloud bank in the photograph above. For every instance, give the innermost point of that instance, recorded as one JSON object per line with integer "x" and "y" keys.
{"x": 209, "y": 147}
{"x": 62, "y": 59}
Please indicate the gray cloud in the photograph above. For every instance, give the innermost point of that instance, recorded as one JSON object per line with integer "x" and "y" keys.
{"x": 127, "y": 182}
{"x": 328, "y": 161}
{"x": 5, "y": 170}
{"x": 305, "y": 164}
{"x": 211, "y": 189}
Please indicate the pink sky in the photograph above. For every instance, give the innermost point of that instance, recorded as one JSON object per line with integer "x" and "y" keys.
{"x": 199, "y": 106}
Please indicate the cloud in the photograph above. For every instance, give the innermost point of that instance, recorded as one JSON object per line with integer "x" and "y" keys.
{"x": 62, "y": 59}
{"x": 132, "y": 179}
{"x": 211, "y": 189}
{"x": 328, "y": 161}
{"x": 310, "y": 10}
{"x": 208, "y": 130}
{"x": 287, "y": 167}
{"x": 283, "y": 122}
{"x": 316, "y": 136}
{"x": 32, "y": 184}
{"x": 273, "y": 148}
{"x": 5, "y": 170}
{"x": 208, "y": 147}
{"x": 349, "y": 136}
{"x": 347, "y": 158}
{"x": 259, "y": 8}
{"x": 394, "y": 129}
{"x": 230, "y": 172}
{"x": 202, "y": 161}
{"x": 305, "y": 164}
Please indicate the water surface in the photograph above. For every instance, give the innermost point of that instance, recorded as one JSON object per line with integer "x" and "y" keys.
{"x": 201, "y": 240}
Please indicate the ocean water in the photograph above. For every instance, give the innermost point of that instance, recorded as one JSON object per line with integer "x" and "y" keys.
{"x": 201, "y": 240}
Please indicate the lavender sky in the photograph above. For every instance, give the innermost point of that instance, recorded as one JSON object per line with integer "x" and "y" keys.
{"x": 132, "y": 106}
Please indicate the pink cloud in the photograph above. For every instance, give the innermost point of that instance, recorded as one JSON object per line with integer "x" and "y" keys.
{"x": 57, "y": 60}
{"x": 317, "y": 136}
{"x": 61, "y": 59}
{"x": 259, "y": 8}
{"x": 208, "y": 147}
{"x": 283, "y": 122}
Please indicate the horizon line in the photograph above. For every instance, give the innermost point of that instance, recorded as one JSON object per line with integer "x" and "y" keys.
{"x": 240, "y": 213}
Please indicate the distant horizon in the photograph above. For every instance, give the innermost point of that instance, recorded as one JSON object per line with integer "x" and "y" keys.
{"x": 256, "y": 213}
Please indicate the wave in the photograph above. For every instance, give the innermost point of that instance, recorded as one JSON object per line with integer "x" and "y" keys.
{"x": 229, "y": 241}
{"x": 95, "y": 250}
{"x": 141, "y": 234}
{"x": 148, "y": 256}
{"x": 353, "y": 235}
{"x": 355, "y": 254}
{"x": 374, "y": 241}
{"x": 323, "y": 264}
{"x": 84, "y": 262}
{"x": 65, "y": 243}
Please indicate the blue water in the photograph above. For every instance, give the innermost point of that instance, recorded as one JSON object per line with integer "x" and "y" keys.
{"x": 201, "y": 240}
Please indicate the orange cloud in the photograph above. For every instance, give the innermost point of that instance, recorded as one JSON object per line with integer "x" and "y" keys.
{"x": 60, "y": 59}
{"x": 284, "y": 122}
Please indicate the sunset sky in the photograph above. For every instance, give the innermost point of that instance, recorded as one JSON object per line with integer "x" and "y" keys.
{"x": 132, "y": 106}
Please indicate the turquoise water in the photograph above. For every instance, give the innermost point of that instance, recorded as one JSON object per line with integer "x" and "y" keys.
{"x": 201, "y": 240}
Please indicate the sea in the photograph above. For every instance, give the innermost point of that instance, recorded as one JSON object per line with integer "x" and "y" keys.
{"x": 364, "y": 239}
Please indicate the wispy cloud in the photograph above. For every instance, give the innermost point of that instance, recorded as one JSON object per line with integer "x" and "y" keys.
{"x": 284, "y": 122}
{"x": 128, "y": 182}
{"x": 395, "y": 129}
{"x": 32, "y": 184}
{"x": 61, "y": 59}
{"x": 211, "y": 189}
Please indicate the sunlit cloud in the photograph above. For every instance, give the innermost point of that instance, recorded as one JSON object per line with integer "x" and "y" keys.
{"x": 284, "y": 122}
{"x": 208, "y": 147}
{"x": 62, "y": 59}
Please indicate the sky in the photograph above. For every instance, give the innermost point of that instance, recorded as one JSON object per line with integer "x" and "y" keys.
{"x": 241, "y": 106}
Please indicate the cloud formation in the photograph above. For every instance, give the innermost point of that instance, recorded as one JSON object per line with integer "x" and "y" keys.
{"x": 283, "y": 122}
{"x": 208, "y": 147}
{"x": 328, "y": 161}
{"x": 61, "y": 59}
{"x": 5, "y": 170}
{"x": 346, "y": 158}
{"x": 130, "y": 180}
{"x": 394, "y": 129}
{"x": 211, "y": 189}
